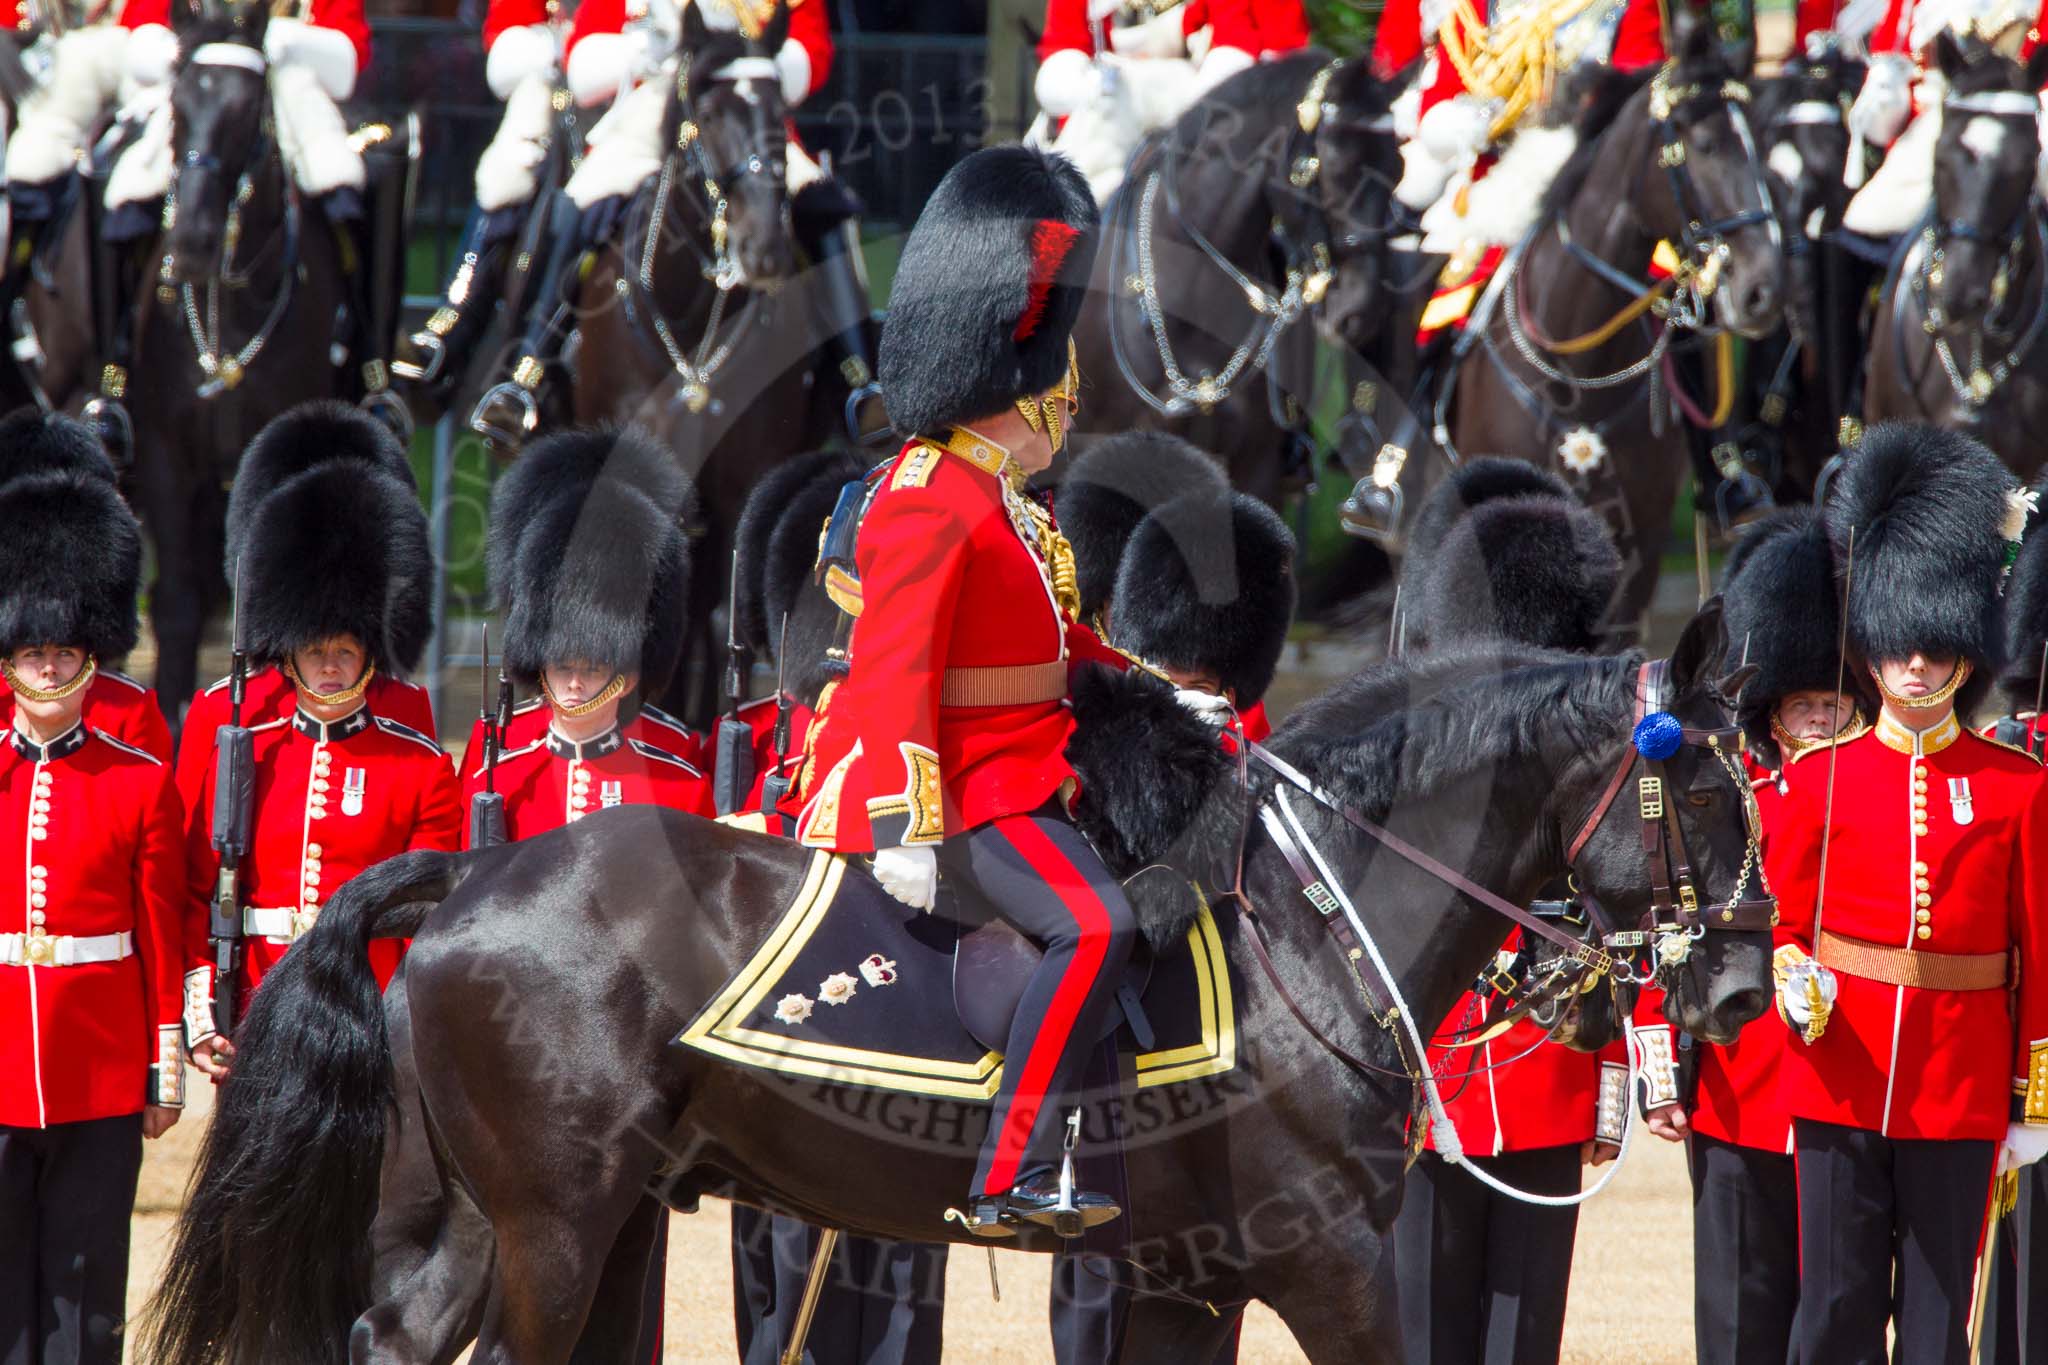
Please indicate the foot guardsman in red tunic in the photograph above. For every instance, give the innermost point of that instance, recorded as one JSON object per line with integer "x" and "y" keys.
{"x": 336, "y": 575}
{"x": 944, "y": 747}
{"x": 1783, "y": 616}
{"x": 1912, "y": 871}
{"x": 91, "y": 927}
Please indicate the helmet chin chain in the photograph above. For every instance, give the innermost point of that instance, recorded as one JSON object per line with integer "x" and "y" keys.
{"x": 1047, "y": 412}
{"x": 353, "y": 692}
{"x": 29, "y": 692}
{"x": 1938, "y": 696}
{"x": 610, "y": 692}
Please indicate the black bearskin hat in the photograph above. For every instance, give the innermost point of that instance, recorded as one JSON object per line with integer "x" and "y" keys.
{"x": 1107, "y": 491}
{"x": 1465, "y": 487}
{"x": 313, "y": 433}
{"x": 1533, "y": 568}
{"x": 598, "y": 564}
{"x": 33, "y": 441}
{"x": 338, "y": 548}
{"x": 987, "y": 291}
{"x": 70, "y": 564}
{"x": 1926, "y": 506}
{"x": 795, "y": 493}
{"x": 2026, "y": 612}
{"x": 1207, "y": 584}
{"x": 1784, "y": 616}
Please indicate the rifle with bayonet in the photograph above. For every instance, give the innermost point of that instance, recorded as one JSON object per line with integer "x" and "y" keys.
{"x": 487, "y": 807}
{"x": 776, "y": 785}
{"x": 733, "y": 776}
{"x": 234, "y": 781}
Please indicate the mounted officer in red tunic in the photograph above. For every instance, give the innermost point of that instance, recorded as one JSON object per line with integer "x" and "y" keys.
{"x": 91, "y": 935}
{"x": 944, "y": 745}
{"x": 1911, "y": 874}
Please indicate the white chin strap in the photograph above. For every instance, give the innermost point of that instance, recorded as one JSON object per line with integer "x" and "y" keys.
{"x": 230, "y": 54}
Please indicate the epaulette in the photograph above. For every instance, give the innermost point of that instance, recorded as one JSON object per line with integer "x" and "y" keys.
{"x": 646, "y": 750}
{"x": 521, "y": 708}
{"x": 507, "y": 755}
{"x": 392, "y": 727}
{"x": 914, "y": 468}
{"x": 124, "y": 746}
{"x": 1857, "y": 729}
{"x": 2027, "y": 754}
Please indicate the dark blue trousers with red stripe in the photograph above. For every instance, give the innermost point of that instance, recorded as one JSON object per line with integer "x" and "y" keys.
{"x": 1037, "y": 872}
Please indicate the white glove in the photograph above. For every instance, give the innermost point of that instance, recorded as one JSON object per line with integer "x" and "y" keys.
{"x": 793, "y": 66}
{"x": 521, "y": 51}
{"x": 2025, "y": 1144}
{"x": 1794, "y": 1001}
{"x": 909, "y": 873}
{"x": 1161, "y": 36}
{"x": 1224, "y": 62}
{"x": 1454, "y": 131}
{"x": 1066, "y": 81}
{"x": 198, "y": 1011}
{"x": 1212, "y": 709}
{"x": 1885, "y": 103}
{"x": 649, "y": 47}
{"x": 325, "y": 52}
{"x": 148, "y": 60}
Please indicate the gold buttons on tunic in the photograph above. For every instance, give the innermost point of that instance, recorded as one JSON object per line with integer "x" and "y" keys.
{"x": 1919, "y": 869}
{"x": 1923, "y": 916}
{"x": 1924, "y": 932}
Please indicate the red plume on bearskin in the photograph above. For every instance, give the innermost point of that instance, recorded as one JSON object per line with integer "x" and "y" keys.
{"x": 1051, "y": 242}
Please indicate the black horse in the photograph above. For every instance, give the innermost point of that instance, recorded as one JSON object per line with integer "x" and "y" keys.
{"x": 242, "y": 325}
{"x": 1567, "y": 359}
{"x": 1958, "y": 336}
{"x": 547, "y": 978}
{"x": 1267, "y": 205}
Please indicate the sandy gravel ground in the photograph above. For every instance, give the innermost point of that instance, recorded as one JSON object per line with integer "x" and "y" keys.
{"x": 1631, "y": 1280}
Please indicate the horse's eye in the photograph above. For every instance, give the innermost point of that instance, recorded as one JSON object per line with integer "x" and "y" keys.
{"x": 1705, "y": 798}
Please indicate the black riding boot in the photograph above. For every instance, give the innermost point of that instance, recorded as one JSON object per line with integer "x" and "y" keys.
{"x": 827, "y": 215}
{"x": 431, "y": 362}
{"x": 115, "y": 283}
{"x": 510, "y": 411}
{"x": 376, "y": 232}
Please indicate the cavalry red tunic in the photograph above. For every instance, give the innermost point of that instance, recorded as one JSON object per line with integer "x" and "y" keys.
{"x": 810, "y": 27}
{"x": 117, "y": 705}
{"x": 329, "y": 801}
{"x": 1253, "y": 26}
{"x": 267, "y": 695}
{"x": 1939, "y": 846}
{"x": 955, "y": 711}
{"x": 549, "y": 781}
{"x": 343, "y": 16}
{"x": 93, "y": 865}
{"x": 1638, "y": 42}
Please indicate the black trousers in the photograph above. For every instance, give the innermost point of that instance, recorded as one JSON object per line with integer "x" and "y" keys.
{"x": 1868, "y": 1205}
{"x": 66, "y": 1194}
{"x": 1745, "y": 1253}
{"x": 1483, "y": 1278}
{"x": 884, "y": 1302}
{"x": 1037, "y": 872}
{"x": 2016, "y": 1321}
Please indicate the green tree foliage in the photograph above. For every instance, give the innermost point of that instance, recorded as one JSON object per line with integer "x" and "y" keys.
{"x": 1343, "y": 26}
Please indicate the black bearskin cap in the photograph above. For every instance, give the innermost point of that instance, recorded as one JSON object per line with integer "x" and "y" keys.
{"x": 296, "y": 440}
{"x": 1534, "y": 568}
{"x": 988, "y": 288}
{"x": 1784, "y": 616}
{"x": 1926, "y": 506}
{"x": 794, "y": 493}
{"x": 338, "y": 548}
{"x": 1465, "y": 487}
{"x": 2026, "y": 612}
{"x": 1207, "y": 583}
{"x": 1107, "y": 491}
{"x": 592, "y": 564}
{"x": 70, "y": 564}
{"x": 33, "y": 441}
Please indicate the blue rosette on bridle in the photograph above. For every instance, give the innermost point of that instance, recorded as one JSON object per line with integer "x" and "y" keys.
{"x": 1658, "y": 736}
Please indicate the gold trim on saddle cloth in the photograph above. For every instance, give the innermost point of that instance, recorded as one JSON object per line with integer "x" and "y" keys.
{"x": 720, "y": 1027}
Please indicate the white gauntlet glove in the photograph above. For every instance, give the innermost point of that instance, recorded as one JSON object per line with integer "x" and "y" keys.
{"x": 1885, "y": 103}
{"x": 909, "y": 873}
{"x": 2025, "y": 1144}
{"x": 1806, "y": 992}
{"x": 1161, "y": 36}
{"x": 1066, "y": 81}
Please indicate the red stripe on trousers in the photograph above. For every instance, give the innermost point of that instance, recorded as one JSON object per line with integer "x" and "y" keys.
{"x": 1044, "y": 857}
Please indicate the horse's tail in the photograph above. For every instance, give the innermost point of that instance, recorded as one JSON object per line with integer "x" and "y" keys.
{"x": 272, "y": 1258}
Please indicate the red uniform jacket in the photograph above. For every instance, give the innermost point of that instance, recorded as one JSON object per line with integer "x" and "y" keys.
{"x": 956, "y": 601}
{"x": 1398, "y": 39}
{"x": 1521, "y": 1091}
{"x": 268, "y": 695}
{"x": 529, "y": 722}
{"x": 1940, "y": 851}
{"x": 1894, "y": 32}
{"x": 1254, "y": 26}
{"x": 1638, "y": 42}
{"x": 500, "y": 15}
{"x": 344, "y": 16}
{"x": 329, "y": 802}
{"x": 549, "y": 781}
{"x": 92, "y": 847}
{"x": 810, "y": 27}
{"x": 117, "y": 705}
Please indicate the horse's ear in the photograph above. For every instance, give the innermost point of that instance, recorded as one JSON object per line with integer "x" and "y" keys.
{"x": 691, "y": 30}
{"x": 1731, "y": 686}
{"x": 1692, "y": 33}
{"x": 1697, "y": 660}
{"x": 1948, "y": 54}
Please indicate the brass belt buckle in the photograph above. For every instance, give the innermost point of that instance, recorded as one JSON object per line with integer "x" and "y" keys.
{"x": 302, "y": 919}
{"x": 41, "y": 949}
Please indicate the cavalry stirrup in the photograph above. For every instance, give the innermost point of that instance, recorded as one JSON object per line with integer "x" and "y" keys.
{"x": 110, "y": 422}
{"x": 390, "y": 411}
{"x": 1372, "y": 512}
{"x": 423, "y": 364}
{"x": 864, "y": 436}
{"x": 506, "y": 415}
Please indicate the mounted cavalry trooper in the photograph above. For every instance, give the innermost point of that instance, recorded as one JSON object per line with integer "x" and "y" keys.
{"x": 292, "y": 443}
{"x": 1502, "y": 555}
{"x": 34, "y": 443}
{"x": 337, "y": 579}
{"x": 595, "y": 576}
{"x": 1111, "y": 71}
{"x": 1779, "y": 593}
{"x": 1911, "y": 871}
{"x": 944, "y": 746}
{"x": 92, "y": 936}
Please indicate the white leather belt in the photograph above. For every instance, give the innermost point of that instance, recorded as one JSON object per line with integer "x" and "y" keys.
{"x": 64, "y": 950}
{"x": 278, "y": 923}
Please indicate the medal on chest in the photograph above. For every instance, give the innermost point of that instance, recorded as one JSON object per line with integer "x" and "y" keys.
{"x": 353, "y": 784}
{"x": 1959, "y": 801}
{"x": 611, "y": 793}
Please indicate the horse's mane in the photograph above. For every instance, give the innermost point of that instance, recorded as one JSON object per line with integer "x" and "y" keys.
{"x": 1248, "y": 107}
{"x": 1600, "y": 95}
{"x": 1407, "y": 728}
{"x": 1985, "y": 69}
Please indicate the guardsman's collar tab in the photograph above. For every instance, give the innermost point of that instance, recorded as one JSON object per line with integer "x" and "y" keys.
{"x": 64, "y": 745}
{"x": 563, "y": 747}
{"x": 986, "y": 455}
{"x": 354, "y": 723}
{"x": 1907, "y": 740}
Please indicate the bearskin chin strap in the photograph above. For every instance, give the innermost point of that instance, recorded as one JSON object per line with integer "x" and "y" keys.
{"x": 1934, "y": 698}
{"x": 1047, "y": 412}
{"x": 58, "y": 693}
{"x": 353, "y": 692}
{"x": 611, "y": 692}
